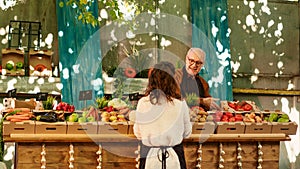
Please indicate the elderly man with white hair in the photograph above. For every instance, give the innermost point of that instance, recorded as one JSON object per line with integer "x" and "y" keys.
{"x": 190, "y": 81}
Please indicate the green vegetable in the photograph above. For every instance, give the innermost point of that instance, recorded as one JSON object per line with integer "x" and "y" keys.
{"x": 192, "y": 99}
{"x": 273, "y": 117}
{"x": 101, "y": 102}
{"x": 284, "y": 116}
{"x": 48, "y": 104}
{"x": 284, "y": 120}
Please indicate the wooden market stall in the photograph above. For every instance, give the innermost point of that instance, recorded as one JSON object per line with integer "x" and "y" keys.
{"x": 120, "y": 150}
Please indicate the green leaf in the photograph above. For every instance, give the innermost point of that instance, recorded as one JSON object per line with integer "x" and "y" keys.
{"x": 61, "y": 4}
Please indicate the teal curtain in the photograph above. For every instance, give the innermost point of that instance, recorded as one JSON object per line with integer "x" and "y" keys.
{"x": 79, "y": 55}
{"x": 210, "y": 32}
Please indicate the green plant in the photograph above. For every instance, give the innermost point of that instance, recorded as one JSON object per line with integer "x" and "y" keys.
{"x": 48, "y": 104}
{"x": 192, "y": 99}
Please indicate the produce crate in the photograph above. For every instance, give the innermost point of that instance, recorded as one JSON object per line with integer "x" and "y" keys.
{"x": 24, "y": 127}
{"x": 203, "y": 128}
{"x": 288, "y": 128}
{"x": 230, "y": 128}
{"x": 14, "y": 56}
{"x": 264, "y": 127}
{"x": 82, "y": 128}
{"x": 112, "y": 127}
{"x": 50, "y": 128}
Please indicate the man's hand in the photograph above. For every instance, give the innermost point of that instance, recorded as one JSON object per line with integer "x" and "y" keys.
{"x": 209, "y": 102}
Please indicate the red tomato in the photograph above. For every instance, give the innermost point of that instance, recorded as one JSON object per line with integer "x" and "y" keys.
{"x": 238, "y": 117}
{"x": 231, "y": 119}
{"x": 232, "y": 105}
{"x": 247, "y": 107}
{"x": 228, "y": 114}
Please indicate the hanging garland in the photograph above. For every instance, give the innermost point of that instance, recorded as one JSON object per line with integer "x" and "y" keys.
{"x": 239, "y": 156}
{"x": 137, "y": 159}
{"x": 260, "y": 154}
{"x": 199, "y": 159}
{"x": 71, "y": 157}
{"x": 99, "y": 159}
{"x": 221, "y": 159}
{"x": 43, "y": 157}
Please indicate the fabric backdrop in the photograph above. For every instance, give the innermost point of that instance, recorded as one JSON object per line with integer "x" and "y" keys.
{"x": 210, "y": 32}
{"x": 80, "y": 56}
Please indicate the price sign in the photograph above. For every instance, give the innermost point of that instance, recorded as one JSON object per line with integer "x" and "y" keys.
{"x": 134, "y": 96}
{"x": 12, "y": 93}
{"x": 85, "y": 95}
{"x": 41, "y": 96}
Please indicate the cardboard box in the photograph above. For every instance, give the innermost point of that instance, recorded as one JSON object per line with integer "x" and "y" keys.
{"x": 112, "y": 128}
{"x": 230, "y": 128}
{"x": 289, "y": 128}
{"x": 50, "y": 128}
{"x": 251, "y": 128}
{"x": 82, "y": 128}
{"x": 204, "y": 128}
{"x": 25, "y": 127}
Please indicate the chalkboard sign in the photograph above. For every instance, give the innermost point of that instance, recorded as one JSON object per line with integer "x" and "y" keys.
{"x": 12, "y": 93}
{"x": 41, "y": 96}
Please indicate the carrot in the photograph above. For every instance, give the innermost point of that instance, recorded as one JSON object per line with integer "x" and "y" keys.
{"x": 16, "y": 120}
{"x": 17, "y": 117}
{"x": 17, "y": 110}
{"x": 23, "y": 109}
{"x": 24, "y": 113}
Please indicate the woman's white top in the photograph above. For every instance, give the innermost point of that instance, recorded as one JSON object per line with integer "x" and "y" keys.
{"x": 164, "y": 124}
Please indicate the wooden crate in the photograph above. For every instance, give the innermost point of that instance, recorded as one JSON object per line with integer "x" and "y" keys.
{"x": 289, "y": 128}
{"x": 251, "y": 128}
{"x": 38, "y": 58}
{"x": 230, "y": 128}
{"x": 203, "y": 128}
{"x": 82, "y": 128}
{"x": 25, "y": 127}
{"x": 50, "y": 128}
{"x": 112, "y": 128}
{"x": 13, "y": 55}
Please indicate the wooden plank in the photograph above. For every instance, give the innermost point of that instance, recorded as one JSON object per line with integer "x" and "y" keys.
{"x": 132, "y": 138}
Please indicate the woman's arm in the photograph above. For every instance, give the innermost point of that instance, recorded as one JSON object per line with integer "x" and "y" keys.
{"x": 186, "y": 121}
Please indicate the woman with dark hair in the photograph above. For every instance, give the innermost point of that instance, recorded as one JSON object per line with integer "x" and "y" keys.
{"x": 162, "y": 121}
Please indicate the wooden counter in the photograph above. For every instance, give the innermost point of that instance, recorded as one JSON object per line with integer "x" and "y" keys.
{"x": 120, "y": 151}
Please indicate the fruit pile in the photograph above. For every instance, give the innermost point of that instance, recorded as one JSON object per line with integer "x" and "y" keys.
{"x": 239, "y": 106}
{"x": 276, "y": 117}
{"x": 63, "y": 106}
{"x": 112, "y": 116}
{"x": 253, "y": 117}
{"x": 230, "y": 117}
{"x": 198, "y": 114}
{"x": 80, "y": 117}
